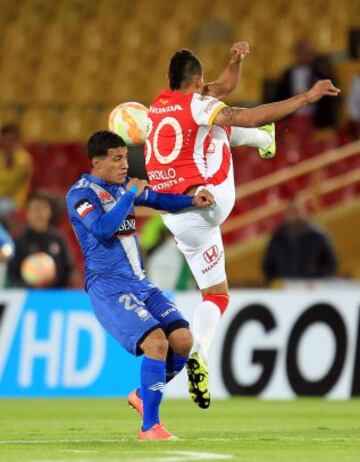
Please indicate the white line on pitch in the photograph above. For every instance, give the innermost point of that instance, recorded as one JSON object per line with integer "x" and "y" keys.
{"x": 85, "y": 441}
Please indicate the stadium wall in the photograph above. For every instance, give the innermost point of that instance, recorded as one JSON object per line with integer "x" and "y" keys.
{"x": 272, "y": 344}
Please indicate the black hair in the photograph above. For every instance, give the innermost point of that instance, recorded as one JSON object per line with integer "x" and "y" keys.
{"x": 184, "y": 66}
{"x": 99, "y": 143}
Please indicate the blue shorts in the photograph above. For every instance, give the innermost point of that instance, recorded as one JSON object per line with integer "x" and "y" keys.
{"x": 130, "y": 313}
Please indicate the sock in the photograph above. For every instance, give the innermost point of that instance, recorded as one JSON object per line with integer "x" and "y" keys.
{"x": 205, "y": 321}
{"x": 174, "y": 364}
{"x": 250, "y": 137}
{"x": 153, "y": 376}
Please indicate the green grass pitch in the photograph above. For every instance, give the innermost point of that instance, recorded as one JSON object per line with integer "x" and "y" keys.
{"x": 238, "y": 429}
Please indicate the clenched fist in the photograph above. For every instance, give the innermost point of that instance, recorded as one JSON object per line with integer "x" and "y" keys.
{"x": 140, "y": 184}
{"x": 238, "y": 51}
{"x": 320, "y": 89}
{"x": 203, "y": 198}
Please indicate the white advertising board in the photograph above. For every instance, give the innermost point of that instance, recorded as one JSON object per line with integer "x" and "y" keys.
{"x": 279, "y": 345}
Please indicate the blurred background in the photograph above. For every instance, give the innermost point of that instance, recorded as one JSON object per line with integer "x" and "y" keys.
{"x": 64, "y": 65}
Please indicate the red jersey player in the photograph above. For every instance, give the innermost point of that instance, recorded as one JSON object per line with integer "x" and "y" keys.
{"x": 188, "y": 148}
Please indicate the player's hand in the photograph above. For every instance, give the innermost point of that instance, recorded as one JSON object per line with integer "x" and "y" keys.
{"x": 320, "y": 89}
{"x": 238, "y": 52}
{"x": 141, "y": 185}
{"x": 203, "y": 198}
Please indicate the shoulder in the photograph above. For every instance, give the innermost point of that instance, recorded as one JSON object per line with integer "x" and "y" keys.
{"x": 80, "y": 190}
{"x": 80, "y": 187}
{"x": 205, "y": 107}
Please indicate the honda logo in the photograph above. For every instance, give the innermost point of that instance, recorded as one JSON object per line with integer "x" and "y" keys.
{"x": 211, "y": 254}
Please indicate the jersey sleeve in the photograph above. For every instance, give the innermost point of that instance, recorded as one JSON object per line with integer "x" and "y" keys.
{"x": 204, "y": 109}
{"x": 162, "y": 201}
{"x": 103, "y": 225}
{"x": 83, "y": 205}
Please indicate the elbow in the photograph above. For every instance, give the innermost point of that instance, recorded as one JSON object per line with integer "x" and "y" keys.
{"x": 249, "y": 119}
{"x": 101, "y": 236}
{"x": 100, "y": 233}
{"x": 255, "y": 121}
{"x": 250, "y": 122}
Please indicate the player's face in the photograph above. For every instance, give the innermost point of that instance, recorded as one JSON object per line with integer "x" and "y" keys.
{"x": 39, "y": 214}
{"x": 114, "y": 166}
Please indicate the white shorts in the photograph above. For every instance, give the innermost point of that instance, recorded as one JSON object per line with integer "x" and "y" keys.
{"x": 198, "y": 237}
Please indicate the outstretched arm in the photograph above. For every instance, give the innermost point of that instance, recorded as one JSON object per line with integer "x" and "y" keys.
{"x": 267, "y": 113}
{"x": 228, "y": 79}
{"x": 174, "y": 202}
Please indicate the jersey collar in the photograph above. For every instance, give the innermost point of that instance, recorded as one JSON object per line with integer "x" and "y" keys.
{"x": 100, "y": 181}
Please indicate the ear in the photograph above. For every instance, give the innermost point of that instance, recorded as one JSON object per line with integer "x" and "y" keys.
{"x": 199, "y": 82}
{"x": 95, "y": 162}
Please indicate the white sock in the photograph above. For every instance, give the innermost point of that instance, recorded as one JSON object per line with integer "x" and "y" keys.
{"x": 250, "y": 137}
{"x": 205, "y": 321}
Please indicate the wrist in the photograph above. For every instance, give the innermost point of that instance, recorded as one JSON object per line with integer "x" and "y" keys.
{"x": 235, "y": 62}
{"x": 134, "y": 189}
{"x": 306, "y": 98}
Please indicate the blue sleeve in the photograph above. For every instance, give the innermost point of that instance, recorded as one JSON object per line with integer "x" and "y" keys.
{"x": 83, "y": 205}
{"x": 167, "y": 202}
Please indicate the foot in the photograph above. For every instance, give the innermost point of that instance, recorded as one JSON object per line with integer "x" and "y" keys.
{"x": 269, "y": 152}
{"x": 155, "y": 433}
{"x": 198, "y": 375}
{"x": 136, "y": 402}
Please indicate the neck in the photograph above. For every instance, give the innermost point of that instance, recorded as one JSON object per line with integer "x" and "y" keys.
{"x": 94, "y": 173}
{"x": 187, "y": 90}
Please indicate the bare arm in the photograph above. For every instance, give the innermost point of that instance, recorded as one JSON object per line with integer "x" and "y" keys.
{"x": 228, "y": 79}
{"x": 267, "y": 113}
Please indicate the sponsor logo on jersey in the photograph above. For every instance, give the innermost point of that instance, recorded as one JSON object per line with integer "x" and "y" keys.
{"x": 104, "y": 196}
{"x": 168, "y": 174}
{"x": 83, "y": 207}
{"x": 211, "y": 254}
{"x": 164, "y": 110}
{"x": 167, "y": 184}
{"x": 128, "y": 226}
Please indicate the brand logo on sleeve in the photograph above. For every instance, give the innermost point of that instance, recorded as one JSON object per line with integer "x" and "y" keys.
{"x": 128, "y": 226}
{"x": 83, "y": 207}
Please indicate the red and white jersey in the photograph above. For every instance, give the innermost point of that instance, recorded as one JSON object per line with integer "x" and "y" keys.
{"x": 178, "y": 140}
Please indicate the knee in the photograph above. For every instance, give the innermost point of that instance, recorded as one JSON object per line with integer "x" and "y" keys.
{"x": 181, "y": 341}
{"x": 155, "y": 345}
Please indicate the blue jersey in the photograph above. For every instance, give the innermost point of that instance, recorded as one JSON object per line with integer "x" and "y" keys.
{"x": 103, "y": 218}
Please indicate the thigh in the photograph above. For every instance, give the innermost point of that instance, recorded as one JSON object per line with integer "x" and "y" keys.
{"x": 165, "y": 312}
{"x": 205, "y": 257}
{"x": 124, "y": 316}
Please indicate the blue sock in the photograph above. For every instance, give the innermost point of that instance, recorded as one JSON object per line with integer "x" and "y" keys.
{"x": 174, "y": 364}
{"x": 153, "y": 375}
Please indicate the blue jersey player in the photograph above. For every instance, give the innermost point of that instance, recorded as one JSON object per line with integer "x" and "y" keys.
{"x": 126, "y": 303}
